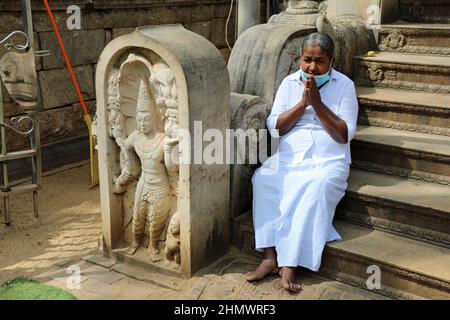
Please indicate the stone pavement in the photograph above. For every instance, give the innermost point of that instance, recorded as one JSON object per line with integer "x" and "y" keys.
{"x": 103, "y": 278}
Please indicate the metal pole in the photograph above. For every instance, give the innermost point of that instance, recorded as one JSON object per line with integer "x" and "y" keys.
{"x": 5, "y": 187}
{"x": 35, "y": 135}
{"x": 28, "y": 20}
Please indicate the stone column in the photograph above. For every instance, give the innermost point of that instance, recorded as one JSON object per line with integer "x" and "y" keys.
{"x": 248, "y": 14}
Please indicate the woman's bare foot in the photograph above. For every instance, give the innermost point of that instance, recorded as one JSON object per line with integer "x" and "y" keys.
{"x": 267, "y": 266}
{"x": 287, "y": 275}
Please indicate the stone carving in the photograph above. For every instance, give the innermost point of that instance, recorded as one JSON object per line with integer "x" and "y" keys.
{"x": 401, "y": 172}
{"x": 377, "y": 122}
{"x": 151, "y": 86}
{"x": 172, "y": 249}
{"x": 362, "y": 283}
{"x": 298, "y": 12}
{"x": 394, "y": 227}
{"x": 116, "y": 119}
{"x": 374, "y": 72}
{"x": 154, "y": 149}
{"x": 393, "y": 41}
{"x": 407, "y": 275}
{"x": 18, "y": 73}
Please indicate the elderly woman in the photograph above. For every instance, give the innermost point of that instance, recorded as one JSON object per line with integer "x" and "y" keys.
{"x": 296, "y": 191}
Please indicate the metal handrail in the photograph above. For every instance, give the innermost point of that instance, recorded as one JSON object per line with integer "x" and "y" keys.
{"x": 16, "y": 122}
{"x": 8, "y": 46}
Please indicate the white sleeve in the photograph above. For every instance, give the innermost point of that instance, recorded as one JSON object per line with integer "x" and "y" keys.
{"x": 348, "y": 109}
{"x": 279, "y": 107}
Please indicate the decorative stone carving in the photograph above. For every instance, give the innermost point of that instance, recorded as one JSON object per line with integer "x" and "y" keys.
{"x": 18, "y": 73}
{"x": 172, "y": 250}
{"x": 152, "y": 196}
{"x": 395, "y": 40}
{"x": 151, "y": 86}
{"x": 298, "y": 12}
{"x": 374, "y": 72}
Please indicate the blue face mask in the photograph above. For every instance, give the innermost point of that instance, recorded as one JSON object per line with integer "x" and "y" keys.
{"x": 320, "y": 80}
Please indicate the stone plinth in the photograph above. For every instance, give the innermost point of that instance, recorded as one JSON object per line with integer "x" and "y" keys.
{"x": 151, "y": 85}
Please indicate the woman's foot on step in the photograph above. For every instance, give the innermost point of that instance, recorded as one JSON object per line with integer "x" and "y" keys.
{"x": 288, "y": 282}
{"x": 266, "y": 267}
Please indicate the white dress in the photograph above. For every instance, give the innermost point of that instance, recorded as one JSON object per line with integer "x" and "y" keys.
{"x": 296, "y": 191}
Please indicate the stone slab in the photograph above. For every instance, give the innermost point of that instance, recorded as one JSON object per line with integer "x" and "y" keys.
{"x": 82, "y": 46}
{"x": 101, "y": 274}
{"x": 57, "y": 89}
{"x": 400, "y": 190}
{"x": 100, "y": 260}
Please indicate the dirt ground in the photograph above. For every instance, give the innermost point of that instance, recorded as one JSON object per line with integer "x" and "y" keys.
{"x": 68, "y": 226}
{"x": 68, "y": 231}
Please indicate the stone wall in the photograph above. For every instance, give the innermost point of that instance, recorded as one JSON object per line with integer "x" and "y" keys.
{"x": 63, "y": 132}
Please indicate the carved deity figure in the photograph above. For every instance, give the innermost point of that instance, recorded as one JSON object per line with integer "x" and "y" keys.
{"x": 172, "y": 250}
{"x": 152, "y": 197}
{"x": 116, "y": 119}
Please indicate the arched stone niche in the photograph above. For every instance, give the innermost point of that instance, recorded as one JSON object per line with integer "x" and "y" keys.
{"x": 151, "y": 84}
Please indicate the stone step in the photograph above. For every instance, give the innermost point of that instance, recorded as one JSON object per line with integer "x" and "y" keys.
{"x": 407, "y": 154}
{"x": 398, "y": 205}
{"x": 410, "y": 269}
{"x": 404, "y": 110}
{"x": 405, "y": 265}
{"x": 404, "y": 37}
{"x": 428, "y": 11}
{"x": 421, "y": 73}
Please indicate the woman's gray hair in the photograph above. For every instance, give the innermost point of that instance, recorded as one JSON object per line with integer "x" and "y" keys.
{"x": 319, "y": 39}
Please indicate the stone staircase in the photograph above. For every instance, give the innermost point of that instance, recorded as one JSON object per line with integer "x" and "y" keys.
{"x": 396, "y": 212}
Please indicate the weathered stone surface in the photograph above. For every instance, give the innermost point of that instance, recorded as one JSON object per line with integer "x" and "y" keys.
{"x": 274, "y": 46}
{"x": 57, "y": 89}
{"x": 82, "y": 46}
{"x": 198, "y": 72}
{"x": 203, "y": 28}
{"x": 226, "y": 52}
{"x": 194, "y": 13}
{"x": 117, "y": 32}
{"x": 247, "y": 113}
{"x": 55, "y": 125}
{"x": 218, "y": 32}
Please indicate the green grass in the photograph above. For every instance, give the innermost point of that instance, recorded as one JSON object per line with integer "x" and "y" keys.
{"x": 27, "y": 289}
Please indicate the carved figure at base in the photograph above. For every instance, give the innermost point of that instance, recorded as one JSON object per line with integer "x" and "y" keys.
{"x": 172, "y": 250}
{"x": 152, "y": 198}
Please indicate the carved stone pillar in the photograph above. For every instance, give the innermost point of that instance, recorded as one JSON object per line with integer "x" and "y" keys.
{"x": 158, "y": 89}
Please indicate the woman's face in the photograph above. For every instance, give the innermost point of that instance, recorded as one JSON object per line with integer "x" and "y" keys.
{"x": 315, "y": 60}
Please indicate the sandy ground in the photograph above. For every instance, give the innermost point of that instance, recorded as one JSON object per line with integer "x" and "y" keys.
{"x": 67, "y": 233}
{"x": 69, "y": 225}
